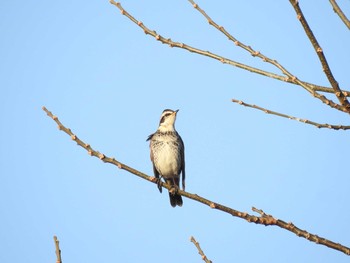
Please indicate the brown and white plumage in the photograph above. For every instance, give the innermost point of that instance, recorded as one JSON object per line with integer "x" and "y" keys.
{"x": 168, "y": 155}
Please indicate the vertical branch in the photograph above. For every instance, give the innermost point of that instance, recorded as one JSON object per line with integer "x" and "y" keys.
{"x": 58, "y": 250}
{"x": 325, "y": 67}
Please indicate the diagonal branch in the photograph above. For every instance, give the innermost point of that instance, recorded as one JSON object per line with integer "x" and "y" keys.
{"x": 340, "y": 13}
{"x": 200, "y": 251}
{"x": 289, "y": 78}
{"x": 318, "y": 125}
{"x": 247, "y": 48}
{"x": 325, "y": 67}
{"x": 264, "y": 58}
{"x": 324, "y": 89}
{"x": 266, "y": 220}
{"x": 191, "y": 49}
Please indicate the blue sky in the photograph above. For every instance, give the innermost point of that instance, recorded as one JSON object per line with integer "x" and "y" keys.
{"x": 109, "y": 82}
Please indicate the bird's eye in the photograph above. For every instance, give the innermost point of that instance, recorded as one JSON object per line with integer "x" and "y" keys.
{"x": 163, "y": 118}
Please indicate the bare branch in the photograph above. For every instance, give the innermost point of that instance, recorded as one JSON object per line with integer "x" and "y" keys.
{"x": 262, "y": 220}
{"x": 261, "y": 212}
{"x": 171, "y": 43}
{"x": 340, "y": 13}
{"x": 249, "y": 49}
{"x": 318, "y": 125}
{"x": 58, "y": 250}
{"x": 324, "y": 89}
{"x": 290, "y": 78}
{"x": 200, "y": 251}
{"x": 325, "y": 67}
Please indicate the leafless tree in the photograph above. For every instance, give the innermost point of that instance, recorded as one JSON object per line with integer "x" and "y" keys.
{"x": 320, "y": 93}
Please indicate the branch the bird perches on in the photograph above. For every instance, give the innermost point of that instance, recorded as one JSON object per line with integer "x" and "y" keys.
{"x": 263, "y": 219}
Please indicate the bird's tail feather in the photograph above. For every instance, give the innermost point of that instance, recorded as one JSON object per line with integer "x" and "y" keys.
{"x": 175, "y": 199}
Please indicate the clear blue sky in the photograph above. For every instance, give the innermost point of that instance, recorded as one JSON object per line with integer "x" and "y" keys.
{"x": 109, "y": 82}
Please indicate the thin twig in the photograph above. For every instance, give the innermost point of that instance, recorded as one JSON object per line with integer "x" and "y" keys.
{"x": 318, "y": 125}
{"x": 261, "y": 212}
{"x": 267, "y": 221}
{"x": 58, "y": 250}
{"x": 290, "y": 78}
{"x": 325, "y": 67}
{"x": 191, "y": 49}
{"x": 247, "y": 48}
{"x": 340, "y": 13}
{"x": 200, "y": 251}
{"x": 324, "y": 89}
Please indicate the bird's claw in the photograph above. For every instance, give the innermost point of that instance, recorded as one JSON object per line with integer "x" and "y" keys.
{"x": 174, "y": 189}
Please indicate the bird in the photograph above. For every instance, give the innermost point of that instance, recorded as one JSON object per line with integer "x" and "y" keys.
{"x": 167, "y": 152}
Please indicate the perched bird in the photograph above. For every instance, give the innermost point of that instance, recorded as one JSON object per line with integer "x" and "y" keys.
{"x": 168, "y": 155}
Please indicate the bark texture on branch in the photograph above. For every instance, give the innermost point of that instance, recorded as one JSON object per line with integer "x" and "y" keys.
{"x": 263, "y": 219}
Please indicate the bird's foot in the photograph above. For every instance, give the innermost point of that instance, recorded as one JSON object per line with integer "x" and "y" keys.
{"x": 174, "y": 189}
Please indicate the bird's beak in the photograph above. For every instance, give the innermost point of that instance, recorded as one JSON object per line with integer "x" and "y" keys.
{"x": 176, "y": 111}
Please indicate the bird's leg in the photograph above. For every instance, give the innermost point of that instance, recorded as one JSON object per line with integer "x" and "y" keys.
{"x": 174, "y": 188}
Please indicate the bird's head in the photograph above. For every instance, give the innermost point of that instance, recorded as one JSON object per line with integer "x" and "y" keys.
{"x": 167, "y": 120}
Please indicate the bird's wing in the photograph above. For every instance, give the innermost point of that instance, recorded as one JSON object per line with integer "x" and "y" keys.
{"x": 149, "y": 137}
{"x": 183, "y": 163}
{"x": 156, "y": 174}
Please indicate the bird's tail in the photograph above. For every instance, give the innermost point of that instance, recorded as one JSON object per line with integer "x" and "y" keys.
{"x": 175, "y": 198}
